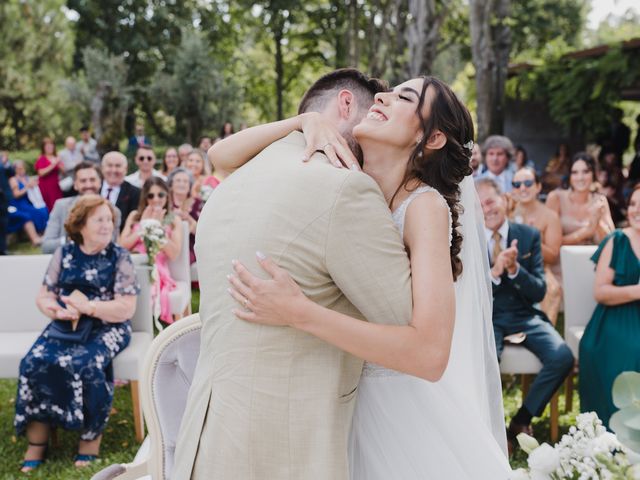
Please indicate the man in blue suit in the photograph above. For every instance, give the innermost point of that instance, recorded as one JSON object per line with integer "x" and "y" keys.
{"x": 517, "y": 274}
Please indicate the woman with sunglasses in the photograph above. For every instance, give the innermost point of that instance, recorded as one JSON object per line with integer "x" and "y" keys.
{"x": 531, "y": 211}
{"x": 154, "y": 204}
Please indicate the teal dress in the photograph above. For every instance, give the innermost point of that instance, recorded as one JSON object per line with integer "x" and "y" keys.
{"x": 611, "y": 342}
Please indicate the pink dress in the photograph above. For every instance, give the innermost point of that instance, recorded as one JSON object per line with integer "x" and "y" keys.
{"x": 49, "y": 183}
{"x": 164, "y": 284}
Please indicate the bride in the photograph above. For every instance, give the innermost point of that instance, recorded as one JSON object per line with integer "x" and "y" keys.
{"x": 429, "y": 402}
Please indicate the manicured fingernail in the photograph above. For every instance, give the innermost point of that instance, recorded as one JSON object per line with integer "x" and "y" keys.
{"x": 229, "y": 277}
{"x": 234, "y": 262}
{"x": 229, "y": 291}
{"x": 304, "y": 158}
{"x": 338, "y": 164}
{"x": 261, "y": 255}
{"x": 354, "y": 166}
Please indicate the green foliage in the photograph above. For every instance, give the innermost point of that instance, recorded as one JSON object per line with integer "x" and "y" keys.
{"x": 626, "y": 421}
{"x": 615, "y": 29}
{"x": 35, "y": 53}
{"x": 579, "y": 92}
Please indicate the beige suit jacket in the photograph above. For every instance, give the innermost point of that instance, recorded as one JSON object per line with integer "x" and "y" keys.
{"x": 273, "y": 402}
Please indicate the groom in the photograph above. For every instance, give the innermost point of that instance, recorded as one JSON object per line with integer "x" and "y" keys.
{"x": 272, "y": 402}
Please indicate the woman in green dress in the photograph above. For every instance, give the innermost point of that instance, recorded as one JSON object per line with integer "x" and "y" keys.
{"x": 611, "y": 342}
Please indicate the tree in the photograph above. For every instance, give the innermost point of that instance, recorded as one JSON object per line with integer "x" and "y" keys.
{"x": 423, "y": 35}
{"x": 35, "y": 54}
{"x": 101, "y": 91}
{"x": 490, "y": 49}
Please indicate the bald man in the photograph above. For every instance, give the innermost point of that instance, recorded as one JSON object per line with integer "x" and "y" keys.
{"x": 114, "y": 187}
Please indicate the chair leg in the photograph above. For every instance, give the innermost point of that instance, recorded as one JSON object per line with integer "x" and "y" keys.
{"x": 554, "y": 417}
{"x": 55, "y": 440}
{"x": 568, "y": 393}
{"x": 137, "y": 412}
{"x": 525, "y": 381}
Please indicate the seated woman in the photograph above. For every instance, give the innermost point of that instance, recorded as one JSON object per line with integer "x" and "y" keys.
{"x": 154, "y": 204}
{"x": 66, "y": 378}
{"x": 203, "y": 184}
{"x": 24, "y": 214}
{"x": 609, "y": 345}
{"x": 530, "y": 211}
{"x": 183, "y": 204}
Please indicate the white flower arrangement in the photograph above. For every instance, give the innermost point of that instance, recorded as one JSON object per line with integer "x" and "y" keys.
{"x": 154, "y": 238}
{"x": 205, "y": 192}
{"x": 587, "y": 452}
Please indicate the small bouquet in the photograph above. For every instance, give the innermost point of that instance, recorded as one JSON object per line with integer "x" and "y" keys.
{"x": 205, "y": 192}
{"x": 154, "y": 238}
{"x": 587, "y": 452}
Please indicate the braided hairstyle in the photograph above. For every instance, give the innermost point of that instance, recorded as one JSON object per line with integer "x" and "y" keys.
{"x": 443, "y": 169}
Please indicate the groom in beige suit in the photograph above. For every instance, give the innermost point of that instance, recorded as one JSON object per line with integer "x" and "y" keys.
{"x": 272, "y": 402}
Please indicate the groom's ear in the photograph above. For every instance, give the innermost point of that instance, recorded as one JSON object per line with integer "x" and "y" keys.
{"x": 346, "y": 104}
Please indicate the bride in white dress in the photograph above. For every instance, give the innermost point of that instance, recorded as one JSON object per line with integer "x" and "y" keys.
{"x": 433, "y": 409}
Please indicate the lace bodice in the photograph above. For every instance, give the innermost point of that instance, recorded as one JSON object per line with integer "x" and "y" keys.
{"x": 398, "y": 215}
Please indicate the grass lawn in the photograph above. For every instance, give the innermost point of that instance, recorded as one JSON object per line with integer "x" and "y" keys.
{"x": 119, "y": 444}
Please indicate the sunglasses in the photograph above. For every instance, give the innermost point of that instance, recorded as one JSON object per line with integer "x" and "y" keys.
{"x": 148, "y": 159}
{"x": 526, "y": 183}
{"x": 151, "y": 196}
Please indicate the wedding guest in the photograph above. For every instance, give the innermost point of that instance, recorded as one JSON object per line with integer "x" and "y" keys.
{"x": 609, "y": 345}
{"x": 556, "y": 173}
{"x": 201, "y": 181}
{"x": 521, "y": 159}
{"x": 226, "y": 130}
{"x": 6, "y": 172}
{"x": 204, "y": 143}
{"x": 139, "y": 139}
{"x": 146, "y": 161}
{"x": 611, "y": 180}
{"x": 155, "y": 204}
{"x": 497, "y": 151}
{"x": 24, "y": 215}
{"x": 170, "y": 161}
{"x": 530, "y": 211}
{"x": 48, "y": 168}
{"x": 86, "y": 181}
{"x": 88, "y": 146}
{"x": 476, "y": 160}
{"x": 183, "y": 204}
{"x": 517, "y": 274}
{"x": 70, "y": 156}
{"x": 66, "y": 378}
{"x": 124, "y": 196}
{"x": 183, "y": 152}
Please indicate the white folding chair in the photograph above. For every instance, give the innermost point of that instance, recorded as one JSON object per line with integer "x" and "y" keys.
{"x": 180, "y": 298}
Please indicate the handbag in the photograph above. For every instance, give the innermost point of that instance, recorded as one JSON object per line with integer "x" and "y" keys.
{"x": 62, "y": 330}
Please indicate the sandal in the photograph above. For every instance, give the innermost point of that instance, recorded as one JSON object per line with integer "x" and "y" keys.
{"x": 35, "y": 463}
{"x": 83, "y": 457}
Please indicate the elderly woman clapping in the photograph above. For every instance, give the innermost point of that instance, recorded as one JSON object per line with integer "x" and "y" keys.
{"x": 89, "y": 293}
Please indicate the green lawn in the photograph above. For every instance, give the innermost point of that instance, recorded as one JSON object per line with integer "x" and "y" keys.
{"x": 119, "y": 444}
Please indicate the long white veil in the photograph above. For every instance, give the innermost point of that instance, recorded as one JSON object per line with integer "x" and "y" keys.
{"x": 473, "y": 370}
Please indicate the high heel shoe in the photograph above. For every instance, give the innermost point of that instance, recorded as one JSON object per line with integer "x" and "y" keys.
{"x": 35, "y": 463}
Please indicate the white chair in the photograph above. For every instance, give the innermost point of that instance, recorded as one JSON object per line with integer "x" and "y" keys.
{"x": 578, "y": 280}
{"x": 517, "y": 360}
{"x": 21, "y": 322}
{"x": 180, "y": 298}
{"x": 167, "y": 374}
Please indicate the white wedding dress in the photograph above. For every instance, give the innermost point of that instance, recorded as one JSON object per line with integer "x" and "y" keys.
{"x": 406, "y": 428}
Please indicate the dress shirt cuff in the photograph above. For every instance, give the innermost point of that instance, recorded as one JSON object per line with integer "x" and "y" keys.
{"x": 496, "y": 281}
{"x": 515, "y": 274}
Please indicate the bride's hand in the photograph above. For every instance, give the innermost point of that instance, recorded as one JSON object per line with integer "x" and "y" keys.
{"x": 323, "y": 136}
{"x": 277, "y": 301}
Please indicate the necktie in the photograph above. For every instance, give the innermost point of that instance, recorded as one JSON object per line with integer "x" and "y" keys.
{"x": 109, "y": 190}
{"x": 497, "y": 248}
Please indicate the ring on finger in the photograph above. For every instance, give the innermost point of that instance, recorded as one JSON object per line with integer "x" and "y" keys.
{"x": 245, "y": 304}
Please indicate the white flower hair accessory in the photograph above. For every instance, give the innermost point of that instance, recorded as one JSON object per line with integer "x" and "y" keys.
{"x": 468, "y": 145}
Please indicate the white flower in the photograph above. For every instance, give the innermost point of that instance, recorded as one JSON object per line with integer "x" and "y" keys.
{"x": 519, "y": 474}
{"x": 544, "y": 459}
{"x": 90, "y": 274}
{"x": 64, "y": 360}
{"x": 527, "y": 442}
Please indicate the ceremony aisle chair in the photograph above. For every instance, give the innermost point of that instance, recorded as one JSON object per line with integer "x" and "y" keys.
{"x": 578, "y": 280}
{"x": 517, "y": 360}
{"x": 165, "y": 380}
{"x": 21, "y": 322}
{"x": 180, "y": 298}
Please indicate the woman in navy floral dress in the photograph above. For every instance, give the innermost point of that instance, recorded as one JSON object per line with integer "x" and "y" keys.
{"x": 66, "y": 378}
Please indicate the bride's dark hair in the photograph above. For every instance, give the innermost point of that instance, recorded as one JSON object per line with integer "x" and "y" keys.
{"x": 443, "y": 169}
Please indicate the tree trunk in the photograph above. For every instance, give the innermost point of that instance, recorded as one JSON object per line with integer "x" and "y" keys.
{"x": 352, "y": 33}
{"x": 422, "y": 35}
{"x": 490, "y": 48}
{"x": 278, "y": 33}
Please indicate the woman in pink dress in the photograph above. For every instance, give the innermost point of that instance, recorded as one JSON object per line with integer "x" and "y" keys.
{"x": 154, "y": 204}
{"x": 48, "y": 167}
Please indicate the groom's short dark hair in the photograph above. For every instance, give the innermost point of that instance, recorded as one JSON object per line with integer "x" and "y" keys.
{"x": 324, "y": 89}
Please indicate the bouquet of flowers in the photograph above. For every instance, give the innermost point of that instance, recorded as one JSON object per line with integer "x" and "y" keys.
{"x": 205, "y": 192}
{"x": 154, "y": 238}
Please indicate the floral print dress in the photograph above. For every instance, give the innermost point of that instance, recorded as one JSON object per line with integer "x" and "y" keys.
{"x": 67, "y": 383}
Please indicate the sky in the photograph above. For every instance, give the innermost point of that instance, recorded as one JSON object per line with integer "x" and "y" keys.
{"x": 601, "y": 8}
